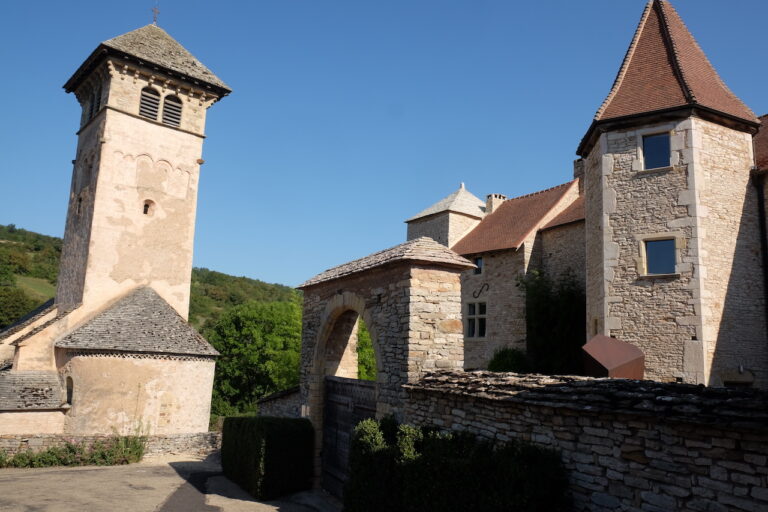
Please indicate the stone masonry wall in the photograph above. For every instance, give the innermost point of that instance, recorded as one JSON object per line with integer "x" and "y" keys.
{"x": 733, "y": 309}
{"x": 192, "y": 444}
{"x": 497, "y": 286}
{"x": 562, "y": 249}
{"x": 284, "y": 404}
{"x": 446, "y": 228}
{"x": 635, "y": 446}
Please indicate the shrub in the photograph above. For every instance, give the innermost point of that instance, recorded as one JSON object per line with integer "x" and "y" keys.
{"x": 111, "y": 451}
{"x": 509, "y": 360}
{"x": 268, "y": 457}
{"x": 429, "y": 470}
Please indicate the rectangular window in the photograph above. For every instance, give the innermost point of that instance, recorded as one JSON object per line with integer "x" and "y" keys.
{"x": 479, "y": 265}
{"x": 476, "y": 320}
{"x": 660, "y": 256}
{"x": 656, "y": 151}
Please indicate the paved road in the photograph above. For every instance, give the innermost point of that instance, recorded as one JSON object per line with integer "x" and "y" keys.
{"x": 159, "y": 485}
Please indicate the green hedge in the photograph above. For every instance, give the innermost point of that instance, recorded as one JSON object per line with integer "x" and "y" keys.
{"x": 509, "y": 360}
{"x": 268, "y": 457}
{"x": 108, "y": 452}
{"x": 425, "y": 470}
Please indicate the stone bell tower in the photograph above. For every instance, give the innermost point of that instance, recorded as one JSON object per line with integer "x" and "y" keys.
{"x": 133, "y": 197}
{"x": 673, "y": 251}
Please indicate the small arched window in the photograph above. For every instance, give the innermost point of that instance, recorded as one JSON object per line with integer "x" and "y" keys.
{"x": 150, "y": 103}
{"x": 70, "y": 390}
{"x": 172, "y": 111}
{"x": 149, "y": 207}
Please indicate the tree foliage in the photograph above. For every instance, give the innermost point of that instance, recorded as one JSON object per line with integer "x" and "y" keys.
{"x": 555, "y": 321}
{"x": 259, "y": 344}
{"x": 366, "y": 359}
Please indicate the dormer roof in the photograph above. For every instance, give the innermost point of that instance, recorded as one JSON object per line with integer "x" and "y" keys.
{"x": 461, "y": 201}
{"x": 665, "y": 69}
{"x": 153, "y": 47}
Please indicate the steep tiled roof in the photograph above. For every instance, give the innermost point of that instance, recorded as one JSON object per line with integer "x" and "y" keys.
{"x": 461, "y": 201}
{"x": 665, "y": 68}
{"x": 511, "y": 223}
{"x": 29, "y": 390}
{"x": 761, "y": 145}
{"x": 154, "y": 46}
{"x": 573, "y": 213}
{"x": 139, "y": 322}
{"x": 422, "y": 249}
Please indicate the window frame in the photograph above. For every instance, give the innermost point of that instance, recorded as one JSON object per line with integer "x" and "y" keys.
{"x": 479, "y": 265}
{"x": 642, "y": 261}
{"x": 476, "y": 326}
{"x": 643, "y": 136}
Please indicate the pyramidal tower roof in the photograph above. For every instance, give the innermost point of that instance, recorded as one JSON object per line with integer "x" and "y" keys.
{"x": 461, "y": 201}
{"x": 666, "y": 69}
{"x": 153, "y": 47}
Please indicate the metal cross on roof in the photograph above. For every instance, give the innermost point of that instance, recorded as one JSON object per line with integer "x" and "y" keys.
{"x": 155, "y": 12}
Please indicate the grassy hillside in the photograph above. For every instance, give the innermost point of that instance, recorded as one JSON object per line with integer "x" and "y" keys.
{"x": 29, "y": 266}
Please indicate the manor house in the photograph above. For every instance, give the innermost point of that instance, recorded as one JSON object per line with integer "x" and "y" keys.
{"x": 113, "y": 351}
{"x": 663, "y": 223}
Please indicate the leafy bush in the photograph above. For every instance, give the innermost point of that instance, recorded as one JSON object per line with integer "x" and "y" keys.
{"x": 268, "y": 457}
{"x": 509, "y": 360}
{"x": 424, "y": 469}
{"x": 108, "y": 452}
{"x": 555, "y": 321}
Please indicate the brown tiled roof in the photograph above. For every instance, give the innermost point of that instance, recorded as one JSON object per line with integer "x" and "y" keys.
{"x": 154, "y": 46}
{"x": 573, "y": 213}
{"x": 665, "y": 68}
{"x": 511, "y": 223}
{"x": 761, "y": 145}
{"x": 422, "y": 249}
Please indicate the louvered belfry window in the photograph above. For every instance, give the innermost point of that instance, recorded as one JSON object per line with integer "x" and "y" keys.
{"x": 150, "y": 103}
{"x": 172, "y": 111}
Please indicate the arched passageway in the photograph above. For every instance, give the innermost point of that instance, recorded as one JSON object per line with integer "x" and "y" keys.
{"x": 410, "y": 300}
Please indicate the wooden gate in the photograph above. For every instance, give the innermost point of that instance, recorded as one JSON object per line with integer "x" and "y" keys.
{"x": 347, "y": 403}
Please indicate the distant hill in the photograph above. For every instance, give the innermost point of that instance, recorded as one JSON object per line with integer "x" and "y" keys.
{"x": 29, "y": 266}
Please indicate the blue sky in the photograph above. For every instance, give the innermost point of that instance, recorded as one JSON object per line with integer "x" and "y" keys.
{"x": 347, "y": 116}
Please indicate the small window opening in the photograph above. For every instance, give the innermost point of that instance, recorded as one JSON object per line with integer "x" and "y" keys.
{"x": 96, "y": 102}
{"x": 172, "y": 111}
{"x": 79, "y": 205}
{"x": 150, "y": 103}
{"x": 70, "y": 390}
{"x": 660, "y": 256}
{"x": 476, "y": 320}
{"x": 149, "y": 207}
{"x": 656, "y": 150}
{"x": 479, "y": 265}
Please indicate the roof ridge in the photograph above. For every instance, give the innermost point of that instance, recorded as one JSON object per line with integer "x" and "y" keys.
{"x": 541, "y": 191}
{"x": 672, "y": 46}
{"x": 625, "y": 63}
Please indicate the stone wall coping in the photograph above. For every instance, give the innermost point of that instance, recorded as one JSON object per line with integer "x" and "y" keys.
{"x": 687, "y": 403}
{"x": 280, "y": 394}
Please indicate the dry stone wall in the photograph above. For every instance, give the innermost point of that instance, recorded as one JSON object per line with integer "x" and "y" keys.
{"x": 628, "y": 445}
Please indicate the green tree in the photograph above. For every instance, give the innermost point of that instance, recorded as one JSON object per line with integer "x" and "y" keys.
{"x": 366, "y": 359}
{"x": 14, "y": 304}
{"x": 259, "y": 344}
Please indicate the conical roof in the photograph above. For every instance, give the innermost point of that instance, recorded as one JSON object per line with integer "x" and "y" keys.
{"x": 665, "y": 69}
{"x": 155, "y": 47}
{"x": 461, "y": 201}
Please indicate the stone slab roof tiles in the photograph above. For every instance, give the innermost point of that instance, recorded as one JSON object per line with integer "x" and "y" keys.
{"x": 154, "y": 46}
{"x": 512, "y": 221}
{"x": 140, "y": 322}
{"x": 461, "y": 201}
{"x": 27, "y": 319}
{"x": 422, "y": 249}
{"x": 573, "y": 213}
{"x": 761, "y": 145}
{"x": 665, "y": 67}
{"x": 29, "y": 390}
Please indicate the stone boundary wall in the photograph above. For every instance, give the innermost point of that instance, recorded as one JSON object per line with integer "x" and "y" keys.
{"x": 202, "y": 443}
{"x": 628, "y": 445}
{"x": 283, "y": 404}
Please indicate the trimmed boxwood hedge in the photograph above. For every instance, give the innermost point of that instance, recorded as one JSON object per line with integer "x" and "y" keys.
{"x": 268, "y": 457}
{"x": 411, "y": 469}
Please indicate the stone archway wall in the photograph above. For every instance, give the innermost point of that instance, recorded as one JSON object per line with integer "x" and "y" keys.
{"x": 409, "y": 297}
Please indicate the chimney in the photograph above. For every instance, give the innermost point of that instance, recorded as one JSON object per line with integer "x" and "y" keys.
{"x": 578, "y": 173}
{"x": 492, "y": 201}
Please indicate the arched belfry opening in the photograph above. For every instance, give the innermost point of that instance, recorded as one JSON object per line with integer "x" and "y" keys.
{"x": 408, "y": 298}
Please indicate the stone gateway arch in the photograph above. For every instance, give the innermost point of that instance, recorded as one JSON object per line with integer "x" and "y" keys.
{"x": 410, "y": 299}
